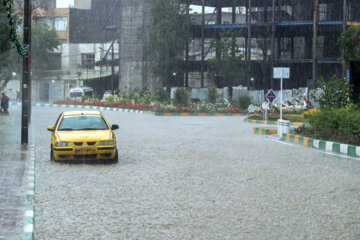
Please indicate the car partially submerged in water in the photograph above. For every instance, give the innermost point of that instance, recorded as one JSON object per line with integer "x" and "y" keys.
{"x": 83, "y": 136}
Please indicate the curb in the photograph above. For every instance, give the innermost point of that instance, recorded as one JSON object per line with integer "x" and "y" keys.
{"x": 29, "y": 216}
{"x": 264, "y": 131}
{"x": 271, "y": 122}
{"x": 328, "y": 146}
{"x": 200, "y": 114}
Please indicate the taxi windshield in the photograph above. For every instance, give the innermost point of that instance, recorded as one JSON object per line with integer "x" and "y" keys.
{"x": 82, "y": 122}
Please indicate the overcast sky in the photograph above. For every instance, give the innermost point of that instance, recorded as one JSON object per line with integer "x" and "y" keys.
{"x": 64, "y": 3}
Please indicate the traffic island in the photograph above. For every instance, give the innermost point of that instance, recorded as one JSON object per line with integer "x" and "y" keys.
{"x": 264, "y": 131}
{"x": 328, "y": 146}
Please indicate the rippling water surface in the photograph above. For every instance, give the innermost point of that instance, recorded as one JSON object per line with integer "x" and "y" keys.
{"x": 195, "y": 178}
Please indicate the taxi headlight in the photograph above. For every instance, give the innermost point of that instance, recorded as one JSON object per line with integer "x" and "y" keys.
{"x": 62, "y": 144}
{"x": 106, "y": 143}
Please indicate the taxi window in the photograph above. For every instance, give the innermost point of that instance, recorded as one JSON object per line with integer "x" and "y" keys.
{"x": 82, "y": 122}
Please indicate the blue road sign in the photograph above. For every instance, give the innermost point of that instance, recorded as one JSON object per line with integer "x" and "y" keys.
{"x": 270, "y": 96}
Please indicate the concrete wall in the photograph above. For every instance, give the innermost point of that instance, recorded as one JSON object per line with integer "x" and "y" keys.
{"x": 82, "y": 4}
{"x": 257, "y": 96}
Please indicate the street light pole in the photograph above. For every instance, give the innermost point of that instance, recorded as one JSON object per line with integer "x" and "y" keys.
{"x": 26, "y": 81}
{"x": 112, "y": 68}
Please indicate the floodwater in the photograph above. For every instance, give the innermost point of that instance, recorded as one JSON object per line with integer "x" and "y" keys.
{"x": 195, "y": 178}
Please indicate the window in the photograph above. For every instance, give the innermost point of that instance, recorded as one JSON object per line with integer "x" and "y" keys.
{"x": 60, "y": 23}
{"x": 323, "y": 12}
{"x": 83, "y": 122}
{"x": 87, "y": 59}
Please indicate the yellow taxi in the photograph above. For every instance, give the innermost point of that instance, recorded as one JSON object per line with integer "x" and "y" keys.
{"x": 83, "y": 135}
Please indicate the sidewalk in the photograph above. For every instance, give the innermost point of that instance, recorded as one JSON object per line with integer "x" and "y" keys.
{"x": 13, "y": 169}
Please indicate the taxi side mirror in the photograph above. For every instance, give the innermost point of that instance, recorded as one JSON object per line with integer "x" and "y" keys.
{"x": 114, "y": 127}
{"x": 50, "y": 128}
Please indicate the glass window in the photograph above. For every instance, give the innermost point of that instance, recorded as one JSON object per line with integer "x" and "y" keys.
{"x": 82, "y": 122}
{"x": 75, "y": 94}
{"x": 60, "y": 23}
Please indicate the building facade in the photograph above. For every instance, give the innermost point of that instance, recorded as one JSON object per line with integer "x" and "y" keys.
{"x": 287, "y": 33}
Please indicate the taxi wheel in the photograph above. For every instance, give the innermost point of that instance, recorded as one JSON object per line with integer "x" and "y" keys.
{"x": 116, "y": 158}
{"x": 52, "y": 155}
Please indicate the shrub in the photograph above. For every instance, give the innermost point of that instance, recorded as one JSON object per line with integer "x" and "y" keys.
{"x": 181, "y": 97}
{"x": 160, "y": 95}
{"x": 110, "y": 99}
{"x": 335, "y": 93}
{"x": 339, "y": 125}
{"x": 212, "y": 94}
{"x": 243, "y": 102}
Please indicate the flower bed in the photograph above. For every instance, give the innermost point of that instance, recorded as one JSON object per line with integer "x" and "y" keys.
{"x": 158, "y": 108}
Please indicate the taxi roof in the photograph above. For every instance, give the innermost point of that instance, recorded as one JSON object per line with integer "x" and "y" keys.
{"x": 71, "y": 113}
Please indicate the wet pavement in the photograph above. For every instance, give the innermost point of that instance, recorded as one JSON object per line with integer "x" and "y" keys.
{"x": 195, "y": 178}
{"x": 12, "y": 176}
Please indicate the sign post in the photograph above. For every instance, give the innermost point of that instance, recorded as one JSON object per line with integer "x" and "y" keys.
{"x": 281, "y": 73}
{"x": 283, "y": 126}
{"x": 270, "y": 96}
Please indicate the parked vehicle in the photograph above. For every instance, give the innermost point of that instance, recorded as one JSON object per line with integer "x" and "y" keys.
{"x": 107, "y": 94}
{"x": 77, "y": 93}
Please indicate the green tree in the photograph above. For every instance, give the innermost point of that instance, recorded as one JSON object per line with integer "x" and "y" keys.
{"x": 5, "y": 47}
{"x": 4, "y": 35}
{"x": 43, "y": 43}
{"x": 168, "y": 38}
{"x": 228, "y": 65}
{"x": 350, "y": 44}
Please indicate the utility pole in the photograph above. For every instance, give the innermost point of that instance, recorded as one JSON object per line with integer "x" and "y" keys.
{"x": 272, "y": 43}
{"x": 26, "y": 81}
{"x": 344, "y": 29}
{"x": 186, "y": 84}
{"x": 316, "y": 15}
{"x": 202, "y": 43}
{"x": 249, "y": 43}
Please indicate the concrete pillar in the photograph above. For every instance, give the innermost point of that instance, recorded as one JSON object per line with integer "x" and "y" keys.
{"x": 134, "y": 69}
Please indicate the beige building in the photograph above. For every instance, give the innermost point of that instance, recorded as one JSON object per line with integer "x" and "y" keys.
{"x": 58, "y": 19}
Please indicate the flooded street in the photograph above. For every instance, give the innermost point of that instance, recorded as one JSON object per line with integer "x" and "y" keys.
{"x": 194, "y": 178}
